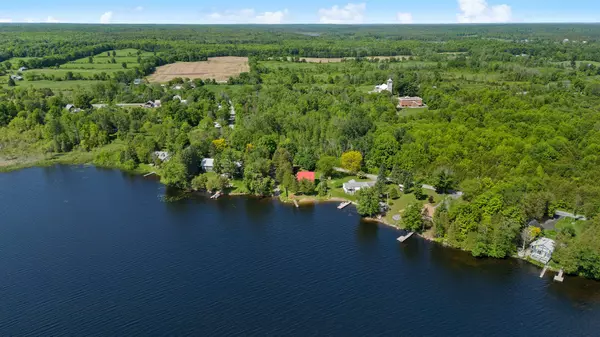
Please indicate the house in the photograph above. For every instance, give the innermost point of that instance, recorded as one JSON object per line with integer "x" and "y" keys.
{"x": 16, "y": 77}
{"x": 308, "y": 175}
{"x": 410, "y": 102}
{"x": 72, "y": 108}
{"x": 22, "y": 69}
{"x": 353, "y": 186}
{"x": 208, "y": 164}
{"x": 178, "y": 98}
{"x": 151, "y": 104}
{"x": 177, "y": 87}
{"x": 162, "y": 155}
{"x": 217, "y": 125}
{"x": 137, "y": 81}
{"x": 388, "y": 86}
{"x": 542, "y": 249}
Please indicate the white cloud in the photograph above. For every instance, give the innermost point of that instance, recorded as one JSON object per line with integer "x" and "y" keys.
{"x": 351, "y": 13}
{"x": 404, "y": 17}
{"x": 272, "y": 17}
{"x": 5, "y": 20}
{"x": 138, "y": 9}
{"x": 106, "y": 17}
{"x": 52, "y": 19}
{"x": 248, "y": 15}
{"x": 479, "y": 11}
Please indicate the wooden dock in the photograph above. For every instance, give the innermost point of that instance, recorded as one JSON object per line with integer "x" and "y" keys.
{"x": 296, "y": 203}
{"x": 404, "y": 237}
{"x": 559, "y": 277}
{"x": 149, "y": 174}
{"x": 343, "y": 205}
{"x": 216, "y": 195}
{"x": 544, "y": 271}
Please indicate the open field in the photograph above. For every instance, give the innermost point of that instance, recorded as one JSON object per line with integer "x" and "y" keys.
{"x": 81, "y": 69}
{"x": 218, "y": 68}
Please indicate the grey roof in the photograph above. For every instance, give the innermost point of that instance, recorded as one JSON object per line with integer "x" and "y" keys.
{"x": 570, "y": 215}
{"x": 353, "y": 184}
{"x": 208, "y": 162}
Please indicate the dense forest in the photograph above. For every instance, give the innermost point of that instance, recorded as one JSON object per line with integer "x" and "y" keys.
{"x": 512, "y": 117}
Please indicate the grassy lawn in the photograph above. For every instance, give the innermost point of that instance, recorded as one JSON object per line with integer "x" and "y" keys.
{"x": 399, "y": 205}
{"x": 578, "y": 226}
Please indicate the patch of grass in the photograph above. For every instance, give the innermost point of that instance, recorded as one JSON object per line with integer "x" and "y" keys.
{"x": 578, "y": 226}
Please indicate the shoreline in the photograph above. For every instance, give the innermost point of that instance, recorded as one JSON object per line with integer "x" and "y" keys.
{"x": 303, "y": 200}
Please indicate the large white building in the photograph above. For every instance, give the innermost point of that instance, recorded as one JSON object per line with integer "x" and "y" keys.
{"x": 388, "y": 86}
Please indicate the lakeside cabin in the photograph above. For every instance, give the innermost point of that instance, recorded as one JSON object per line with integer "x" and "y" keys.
{"x": 208, "y": 164}
{"x": 353, "y": 186}
{"x": 542, "y": 249}
{"x": 308, "y": 175}
{"x": 162, "y": 155}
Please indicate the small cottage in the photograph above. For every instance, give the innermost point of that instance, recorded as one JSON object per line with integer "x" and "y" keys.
{"x": 305, "y": 175}
{"x": 208, "y": 164}
{"x": 162, "y": 155}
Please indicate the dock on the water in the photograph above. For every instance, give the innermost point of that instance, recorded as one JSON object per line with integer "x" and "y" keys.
{"x": 149, "y": 174}
{"x": 216, "y": 195}
{"x": 544, "y": 271}
{"x": 296, "y": 203}
{"x": 343, "y": 204}
{"x": 559, "y": 277}
{"x": 404, "y": 237}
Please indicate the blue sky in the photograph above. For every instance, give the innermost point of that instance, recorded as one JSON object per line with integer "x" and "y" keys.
{"x": 305, "y": 11}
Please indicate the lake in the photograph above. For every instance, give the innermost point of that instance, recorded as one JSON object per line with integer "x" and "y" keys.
{"x": 88, "y": 251}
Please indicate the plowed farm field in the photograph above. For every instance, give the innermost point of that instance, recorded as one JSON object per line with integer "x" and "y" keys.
{"x": 218, "y": 68}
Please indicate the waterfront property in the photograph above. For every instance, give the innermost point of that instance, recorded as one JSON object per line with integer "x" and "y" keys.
{"x": 354, "y": 186}
{"x": 308, "y": 175}
{"x": 208, "y": 164}
{"x": 542, "y": 249}
{"x": 162, "y": 155}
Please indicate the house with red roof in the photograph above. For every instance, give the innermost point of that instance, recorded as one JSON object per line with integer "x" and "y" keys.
{"x": 308, "y": 175}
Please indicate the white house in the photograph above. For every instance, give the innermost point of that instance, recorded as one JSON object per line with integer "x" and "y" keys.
{"x": 22, "y": 69}
{"x": 542, "y": 249}
{"x": 353, "y": 186}
{"x": 162, "y": 155}
{"x": 388, "y": 86}
{"x": 178, "y": 98}
{"x": 137, "y": 81}
{"x": 16, "y": 77}
{"x": 72, "y": 108}
{"x": 208, "y": 164}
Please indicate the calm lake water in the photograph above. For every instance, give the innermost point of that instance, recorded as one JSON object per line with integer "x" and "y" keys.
{"x": 86, "y": 251}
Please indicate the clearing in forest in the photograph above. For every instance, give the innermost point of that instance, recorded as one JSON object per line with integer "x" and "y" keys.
{"x": 218, "y": 68}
